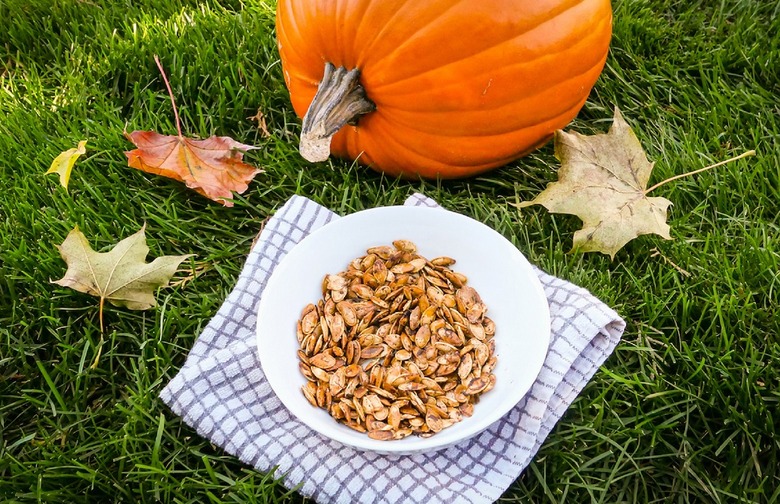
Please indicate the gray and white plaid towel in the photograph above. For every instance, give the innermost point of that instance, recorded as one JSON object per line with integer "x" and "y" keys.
{"x": 222, "y": 393}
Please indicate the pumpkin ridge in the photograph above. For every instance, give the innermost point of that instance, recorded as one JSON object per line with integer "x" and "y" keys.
{"x": 542, "y": 20}
{"x": 283, "y": 34}
{"x": 369, "y": 46}
{"x": 360, "y": 51}
{"x": 340, "y": 35}
{"x": 301, "y": 76}
{"x": 389, "y": 135}
{"x": 509, "y": 127}
{"x": 541, "y": 57}
{"x": 430, "y": 163}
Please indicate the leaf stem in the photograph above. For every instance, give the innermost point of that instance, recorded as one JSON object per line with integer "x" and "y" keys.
{"x": 100, "y": 314}
{"x": 694, "y": 172}
{"x": 170, "y": 93}
{"x": 96, "y": 360}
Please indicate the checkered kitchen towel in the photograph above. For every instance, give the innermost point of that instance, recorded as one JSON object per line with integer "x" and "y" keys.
{"x": 222, "y": 393}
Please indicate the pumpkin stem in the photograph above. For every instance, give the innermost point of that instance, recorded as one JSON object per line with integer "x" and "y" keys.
{"x": 340, "y": 100}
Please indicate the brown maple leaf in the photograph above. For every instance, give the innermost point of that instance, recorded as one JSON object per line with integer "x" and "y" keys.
{"x": 214, "y": 167}
{"x": 603, "y": 181}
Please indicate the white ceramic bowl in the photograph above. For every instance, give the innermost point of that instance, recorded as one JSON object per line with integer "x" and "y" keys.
{"x": 494, "y": 267}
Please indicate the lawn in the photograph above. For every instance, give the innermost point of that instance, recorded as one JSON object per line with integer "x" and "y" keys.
{"x": 685, "y": 410}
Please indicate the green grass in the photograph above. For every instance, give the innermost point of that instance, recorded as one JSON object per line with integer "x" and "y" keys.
{"x": 687, "y": 408}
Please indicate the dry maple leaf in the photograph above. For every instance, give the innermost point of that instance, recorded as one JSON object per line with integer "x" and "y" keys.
{"x": 603, "y": 181}
{"x": 120, "y": 276}
{"x": 214, "y": 167}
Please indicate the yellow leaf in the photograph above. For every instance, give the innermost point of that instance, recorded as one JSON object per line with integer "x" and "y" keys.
{"x": 63, "y": 163}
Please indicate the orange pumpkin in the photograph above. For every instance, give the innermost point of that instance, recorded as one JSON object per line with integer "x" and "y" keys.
{"x": 438, "y": 88}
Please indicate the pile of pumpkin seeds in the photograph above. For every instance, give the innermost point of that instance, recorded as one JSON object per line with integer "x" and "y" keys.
{"x": 398, "y": 345}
